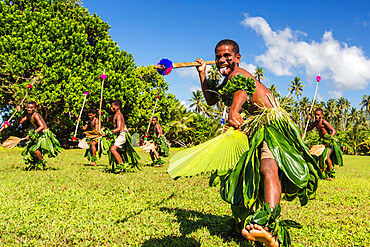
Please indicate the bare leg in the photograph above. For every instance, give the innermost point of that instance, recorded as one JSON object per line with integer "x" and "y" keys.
{"x": 93, "y": 150}
{"x": 115, "y": 153}
{"x": 270, "y": 177}
{"x": 272, "y": 188}
{"x": 329, "y": 164}
{"x": 39, "y": 155}
{"x": 156, "y": 152}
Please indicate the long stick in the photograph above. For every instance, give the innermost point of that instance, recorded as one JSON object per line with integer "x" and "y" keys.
{"x": 101, "y": 103}
{"x": 28, "y": 89}
{"x": 184, "y": 65}
{"x": 79, "y": 116}
{"x": 155, "y": 105}
{"x": 312, "y": 104}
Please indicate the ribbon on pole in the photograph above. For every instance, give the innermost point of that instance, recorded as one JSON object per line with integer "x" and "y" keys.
{"x": 74, "y": 138}
{"x": 318, "y": 79}
{"x": 6, "y": 124}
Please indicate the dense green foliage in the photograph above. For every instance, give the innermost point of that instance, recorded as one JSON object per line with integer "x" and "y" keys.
{"x": 67, "y": 49}
{"x": 72, "y": 204}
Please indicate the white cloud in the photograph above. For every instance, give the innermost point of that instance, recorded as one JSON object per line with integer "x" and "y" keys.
{"x": 186, "y": 104}
{"x": 286, "y": 53}
{"x": 195, "y": 88}
{"x": 248, "y": 67}
{"x": 335, "y": 94}
{"x": 319, "y": 97}
{"x": 188, "y": 72}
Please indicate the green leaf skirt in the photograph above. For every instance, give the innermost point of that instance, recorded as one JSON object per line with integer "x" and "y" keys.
{"x": 46, "y": 143}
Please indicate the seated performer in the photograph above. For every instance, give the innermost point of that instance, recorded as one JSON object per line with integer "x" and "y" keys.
{"x": 160, "y": 143}
{"x": 41, "y": 140}
{"x": 277, "y": 161}
{"x": 332, "y": 155}
{"x": 91, "y": 124}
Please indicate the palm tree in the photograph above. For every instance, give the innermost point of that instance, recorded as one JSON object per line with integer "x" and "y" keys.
{"x": 304, "y": 107}
{"x": 296, "y": 87}
{"x": 366, "y": 103}
{"x": 331, "y": 109}
{"x": 273, "y": 90}
{"x": 198, "y": 101}
{"x": 259, "y": 73}
{"x": 343, "y": 106}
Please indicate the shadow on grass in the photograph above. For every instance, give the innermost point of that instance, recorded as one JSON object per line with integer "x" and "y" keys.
{"x": 190, "y": 221}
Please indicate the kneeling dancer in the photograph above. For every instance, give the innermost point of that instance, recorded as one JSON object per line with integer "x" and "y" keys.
{"x": 41, "y": 140}
{"x": 277, "y": 161}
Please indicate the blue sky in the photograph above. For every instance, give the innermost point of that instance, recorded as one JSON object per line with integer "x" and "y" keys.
{"x": 286, "y": 38}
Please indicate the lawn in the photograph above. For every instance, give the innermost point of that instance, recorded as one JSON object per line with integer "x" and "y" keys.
{"x": 74, "y": 204}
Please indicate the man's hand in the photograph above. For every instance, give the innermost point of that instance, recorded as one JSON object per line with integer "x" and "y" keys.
{"x": 27, "y": 137}
{"x": 78, "y": 119}
{"x": 235, "y": 119}
{"x": 104, "y": 134}
{"x": 309, "y": 117}
{"x": 18, "y": 108}
{"x": 203, "y": 65}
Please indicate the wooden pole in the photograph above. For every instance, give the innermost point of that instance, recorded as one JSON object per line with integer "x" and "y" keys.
{"x": 184, "y": 65}
{"x": 155, "y": 105}
{"x": 79, "y": 116}
{"x": 101, "y": 103}
{"x": 312, "y": 104}
{"x": 28, "y": 89}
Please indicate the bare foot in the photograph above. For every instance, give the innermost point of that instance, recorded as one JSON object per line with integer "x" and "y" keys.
{"x": 254, "y": 232}
{"x": 92, "y": 163}
{"x": 329, "y": 179}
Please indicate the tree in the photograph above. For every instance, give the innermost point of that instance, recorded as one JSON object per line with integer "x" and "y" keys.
{"x": 214, "y": 74}
{"x": 66, "y": 49}
{"x": 273, "y": 89}
{"x": 343, "y": 105}
{"x": 198, "y": 102}
{"x": 365, "y": 103}
{"x": 259, "y": 74}
{"x": 296, "y": 87}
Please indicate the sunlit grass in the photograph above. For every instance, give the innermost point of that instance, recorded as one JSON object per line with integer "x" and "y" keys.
{"x": 74, "y": 204}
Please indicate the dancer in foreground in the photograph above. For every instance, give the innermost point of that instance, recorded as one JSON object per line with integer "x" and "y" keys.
{"x": 160, "y": 143}
{"x": 331, "y": 155}
{"x": 122, "y": 155}
{"x": 91, "y": 124}
{"x": 276, "y": 162}
{"x": 41, "y": 140}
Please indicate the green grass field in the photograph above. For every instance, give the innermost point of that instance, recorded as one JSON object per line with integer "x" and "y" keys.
{"x": 73, "y": 204}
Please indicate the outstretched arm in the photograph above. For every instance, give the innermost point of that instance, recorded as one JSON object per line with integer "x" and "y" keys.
{"x": 329, "y": 127}
{"x": 211, "y": 98}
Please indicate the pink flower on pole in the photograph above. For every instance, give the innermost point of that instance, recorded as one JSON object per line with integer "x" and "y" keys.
{"x": 30, "y": 86}
{"x": 6, "y": 124}
{"x": 102, "y": 76}
{"x": 74, "y": 138}
{"x": 86, "y": 93}
{"x": 318, "y": 78}
{"x": 158, "y": 97}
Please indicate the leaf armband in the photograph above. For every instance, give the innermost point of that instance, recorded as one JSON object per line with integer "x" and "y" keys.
{"x": 237, "y": 83}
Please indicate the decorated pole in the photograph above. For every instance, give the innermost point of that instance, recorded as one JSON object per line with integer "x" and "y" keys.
{"x": 165, "y": 66}
{"x": 6, "y": 124}
{"x": 102, "y": 77}
{"x": 147, "y": 129}
{"x": 318, "y": 78}
{"x": 74, "y": 138}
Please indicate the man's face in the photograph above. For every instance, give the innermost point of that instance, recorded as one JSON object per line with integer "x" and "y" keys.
{"x": 91, "y": 115}
{"x": 226, "y": 59}
{"x": 114, "y": 108}
{"x": 318, "y": 115}
{"x": 31, "y": 108}
{"x": 154, "y": 121}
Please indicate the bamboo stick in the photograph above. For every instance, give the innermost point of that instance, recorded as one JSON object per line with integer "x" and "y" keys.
{"x": 184, "y": 65}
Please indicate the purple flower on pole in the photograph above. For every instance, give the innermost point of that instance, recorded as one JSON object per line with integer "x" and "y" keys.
{"x": 318, "y": 78}
{"x": 102, "y": 76}
{"x": 86, "y": 93}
